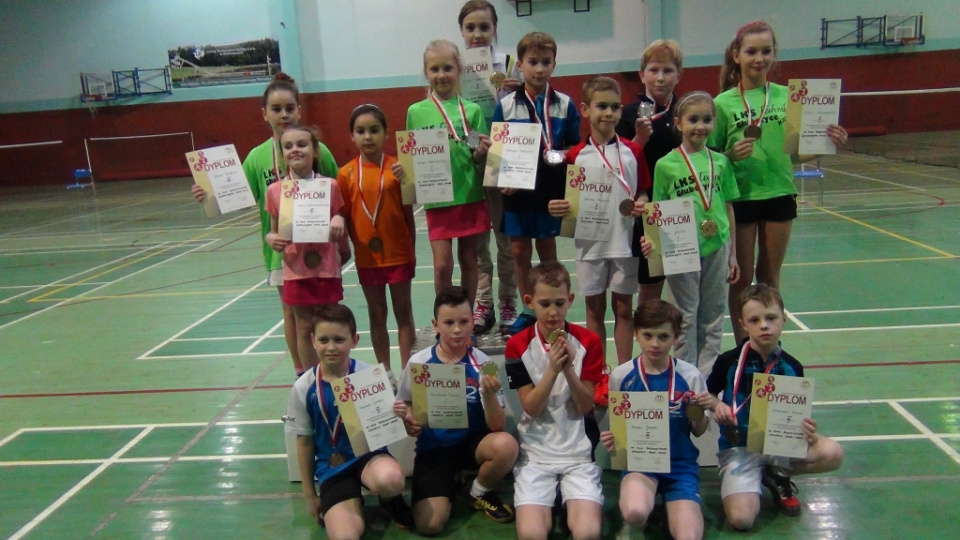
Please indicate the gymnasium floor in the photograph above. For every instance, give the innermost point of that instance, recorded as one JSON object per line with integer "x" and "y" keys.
{"x": 144, "y": 369}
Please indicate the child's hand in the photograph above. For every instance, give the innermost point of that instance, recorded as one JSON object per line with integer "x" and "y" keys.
{"x": 481, "y": 152}
{"x": 275, "y": 242}
{"x": 338, "y": 228}
{"x": 558, "y": 207}
{"x": 646, "y": 247}
{"x": 606, "y": 437}
{"x": 400, "y": 408}
{"x": 198, "y": 193}
{"x": 837, "y": 134}
{"x": 706, "y": 400}
{"x": 508, "y": 190}
{"x": 559, "y": 355}
{"x": 313, "y": 508}
{"x": 733, "y": 269}
{"x": 397, "y": 170}
{"x": 723, "y": 415}
{"x": 810, "y": 431}
{"x": 489, "y": 386}
{"x": 510, "y": 85}
{"x": 638, "y": 208}
{"x": 742, "y": 149}
{"x": 644, "y": 127}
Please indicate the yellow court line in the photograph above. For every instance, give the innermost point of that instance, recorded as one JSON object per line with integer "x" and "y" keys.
{"x": 884, "y": 231}
{"x": 871, "y": 261}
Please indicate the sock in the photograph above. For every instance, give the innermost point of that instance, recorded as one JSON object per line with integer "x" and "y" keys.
{"x": 476, "y": 490}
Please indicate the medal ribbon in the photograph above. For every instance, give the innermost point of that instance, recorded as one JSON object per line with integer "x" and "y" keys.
{"x": 363, "y": 202}
{"x": 446, "y": 117}
{"x": 606, "y": 162}
{"x": 542, "y": 340}
{"x": 276, "y": 169}
{"x": 546, "y": 133}
{"x": 706, "y": 196}
{"x": 674, "y": 404}
{"x": 655, "y": 117}
{"x": 736, "y": 380}
{"x": 766, "y": 102}
{"x": 335, "y": 430}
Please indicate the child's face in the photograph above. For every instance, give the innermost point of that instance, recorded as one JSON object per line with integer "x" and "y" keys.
{"x": 695, "y": 122}
{"x": 550, "y": 304}
{"x": 537, "y": 67}
{"x": 756, "y": 55}
{"x": 442, "y": 71}
{"x": 659, "y": 79}
{"x": 281, "y": 111}
{"x": 455, "y": 326}
{"x": 298, "y": 151}
{"x": 656, "y": 342}
{"x": 333, "y": 342}
{"x": 368, "y": 134}
{"x": 763, "y": 323}
{"x": 478, "y": 29}
{"x": 603, "y": 112}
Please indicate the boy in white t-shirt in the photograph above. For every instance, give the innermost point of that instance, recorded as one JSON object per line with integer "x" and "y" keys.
{"x": 554, "y": 366}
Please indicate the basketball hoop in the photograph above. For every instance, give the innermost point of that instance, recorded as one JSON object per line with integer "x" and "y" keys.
{"x": 907, "y": 42}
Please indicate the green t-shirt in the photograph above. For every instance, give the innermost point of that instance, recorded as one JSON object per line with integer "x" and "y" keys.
{"x": 467, "y": 176}
{"x": 768, "y": 172}
{"x": 672, "y": 180}
{"x": 258, "y": 166}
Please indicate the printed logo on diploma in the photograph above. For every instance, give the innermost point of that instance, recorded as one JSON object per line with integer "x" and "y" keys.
{"x": 439, "y": 395}
{"x": 640, "y": 423}
{"x": 813, "y": 105}
{"x": 365, "y": 401}
{"x": 425, "y": 157}
{"x": 514, "y": 156}
{"x": 218, "y": 171}
{"x": 779, "y": 405}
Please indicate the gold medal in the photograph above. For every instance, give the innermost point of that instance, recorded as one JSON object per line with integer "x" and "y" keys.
{"x": 556, "y": 335}
{"x": 375, "y": 244}
{"x": 752, "y": 132}
{"x": 626, "y": 207}
{"x": 709, "y": 228}
{"x": 312, "y": 259}
{"x": 497, "y": 78}
{"x": 694, "y": 412}
{"x": 336, "y": 459}
{"x": 489, "y": 368}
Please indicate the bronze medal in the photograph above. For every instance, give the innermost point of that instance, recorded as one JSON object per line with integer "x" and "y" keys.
{"x": 312, "y": 259}
{"x": 375, "y": 244}
{"x": 554, "y": 157}
{"x": 556, "y": 335}
{"x": 694, "y": 412}
{"x": 626, "y": 207}
{"x": 497, "y": 78}
{"x": 752, "y": 132}
{"x": 336, "y": 459}
{"x": 489, "y": 368}
{"x": 709, "y": 228}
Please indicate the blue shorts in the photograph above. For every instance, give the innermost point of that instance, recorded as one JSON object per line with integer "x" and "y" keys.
{"x": 678, "y": 486}
{"x": 530, "y": 224}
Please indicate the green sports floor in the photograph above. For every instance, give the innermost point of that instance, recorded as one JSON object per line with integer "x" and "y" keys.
{"x": 144, "y": 370}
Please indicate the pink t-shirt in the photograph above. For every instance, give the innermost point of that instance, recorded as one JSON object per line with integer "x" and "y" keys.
{"x": 331, "y": 253}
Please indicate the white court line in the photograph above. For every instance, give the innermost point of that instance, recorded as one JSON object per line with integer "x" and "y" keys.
{"x": 877, "y": 310}
{"x": 59, "y": 251}
{"x": 797, "y": 321}
{"x": 934, "y": 438}
{"x": 75, "y": 218}
{"x": 864, "y": 177}
{"x": 32, "y": 524}
{"x": 47, "y": 285}
{"x": 260, "y": 339}
{"x": 885, "y": 401}
{"x": 872, "y": 328}
{"x": 69, "y": 300}
{"x": 229, "y": 222}
{"x": 11, "y": 437}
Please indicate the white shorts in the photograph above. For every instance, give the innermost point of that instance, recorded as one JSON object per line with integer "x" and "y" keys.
{"x": 740, "y": 470}
{"x": 536, "y": 483}
{"x": 618, "y": 275}
{"x": 275, "y": 277}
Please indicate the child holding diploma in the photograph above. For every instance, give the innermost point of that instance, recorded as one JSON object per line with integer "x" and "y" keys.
{"x": 609, "y": 264}
{"x": 383, "y": 233}
{"x": 281, "y": 109}
{"x": 478, "y": 25}
{"x": 761, "y": 313}
{"x": 483, "y": 445}
{"x": 751, "y": 114}
{"x": 554, "y": 366}
{"x": 695, "y": 172}
{"x": 656, "y": 327}
{"x": 466, "y": 216}
{"x": 323, "y": 448}
{"x": 311, "y": 271}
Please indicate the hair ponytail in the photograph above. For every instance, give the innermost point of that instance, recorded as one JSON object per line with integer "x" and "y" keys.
{"x": 730, "y": 71}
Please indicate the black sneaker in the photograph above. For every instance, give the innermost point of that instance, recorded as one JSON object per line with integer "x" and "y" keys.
{"x": 522, "y": 322}
{"x": 783, "y": 489}
{"x": 491, "y": 505}
{"x": 400, "y": 513}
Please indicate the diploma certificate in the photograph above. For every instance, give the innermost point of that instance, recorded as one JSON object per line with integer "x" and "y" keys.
{"x": 813, "y": 105}
{"x": 589, "y": 191}
{"x": 218, "y": 171}
{"x": 640, "y": 423}
{"x": 425, "y": 156}
{"x": 475, "y": 82}
{"x": 439, "y": 393}
{"x": 305, "y": 210}
{"x": 365, "y": 401}
{"x": 673, "y": 225}
{"x": 514, "y": 156}
{"x": 777, "y": 409}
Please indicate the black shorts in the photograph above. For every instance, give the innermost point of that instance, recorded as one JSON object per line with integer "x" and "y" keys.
{"x": 643, "y": 269}
{"x": 346, "y": 484}
{"x": 783, "y": 208}
{"x": 434, "y": 471}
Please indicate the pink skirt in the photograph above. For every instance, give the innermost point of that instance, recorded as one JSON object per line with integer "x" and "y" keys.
{"x": 312, "y": 291}
{"x": 387, "y": 275}
{"x": 458, "y": 221}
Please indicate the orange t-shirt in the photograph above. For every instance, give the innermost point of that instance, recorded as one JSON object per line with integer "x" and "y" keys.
{"x": 391, "y": 226}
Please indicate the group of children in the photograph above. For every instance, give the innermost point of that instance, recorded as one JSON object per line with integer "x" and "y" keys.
{"x": 725, "y": 154}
